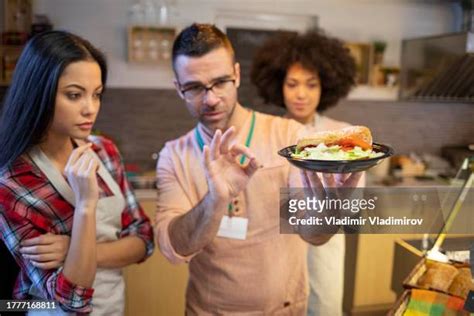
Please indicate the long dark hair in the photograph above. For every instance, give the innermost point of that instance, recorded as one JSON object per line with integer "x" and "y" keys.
{"x": 28, "y": 107}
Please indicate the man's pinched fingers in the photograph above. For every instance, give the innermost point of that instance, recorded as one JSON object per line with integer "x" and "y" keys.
{"x": 206, "y": 161}
{"x": 238, "y": 149}
{"x": 252, "y": 166}
{"x": 215, "y": 144}
{"x": 227, "y": 137}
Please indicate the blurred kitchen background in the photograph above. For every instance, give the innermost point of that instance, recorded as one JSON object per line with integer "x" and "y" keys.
{"x": 415, "y": 92}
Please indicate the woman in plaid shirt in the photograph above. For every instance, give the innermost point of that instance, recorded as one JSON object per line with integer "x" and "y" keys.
{"x": 67, "y": 212}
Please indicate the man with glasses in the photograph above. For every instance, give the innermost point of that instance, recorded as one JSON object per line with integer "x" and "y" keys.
{"x": 218, "y": 191}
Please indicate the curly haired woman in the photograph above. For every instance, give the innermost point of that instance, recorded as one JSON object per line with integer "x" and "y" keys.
{"x": 307, "y": 74}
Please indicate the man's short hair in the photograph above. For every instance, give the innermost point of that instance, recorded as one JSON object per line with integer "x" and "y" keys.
{"x": 198, "y": 39}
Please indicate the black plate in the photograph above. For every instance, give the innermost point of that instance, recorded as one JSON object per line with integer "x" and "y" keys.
{"x": 337, "y": 166}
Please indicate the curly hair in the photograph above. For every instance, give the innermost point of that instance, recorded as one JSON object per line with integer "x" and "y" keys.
{"x": 316, "y": 52}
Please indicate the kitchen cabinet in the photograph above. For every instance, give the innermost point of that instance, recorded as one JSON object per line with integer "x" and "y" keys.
{"x": 150, "y": 44}
{"x": 155, "y": 287}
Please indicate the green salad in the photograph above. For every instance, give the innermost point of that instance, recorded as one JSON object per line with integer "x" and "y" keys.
{"x": 323, "y": 152}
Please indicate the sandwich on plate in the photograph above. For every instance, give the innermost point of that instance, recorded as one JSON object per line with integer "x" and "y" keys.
{"x": 350, "y": 143}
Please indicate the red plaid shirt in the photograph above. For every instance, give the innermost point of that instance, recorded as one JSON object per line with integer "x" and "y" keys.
{"x": 31, "y": 206}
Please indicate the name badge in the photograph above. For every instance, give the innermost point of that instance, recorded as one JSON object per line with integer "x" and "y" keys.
{"x": 233, "y": 227}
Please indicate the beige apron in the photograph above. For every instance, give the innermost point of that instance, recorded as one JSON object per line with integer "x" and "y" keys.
{"x": 326, "y": 262}
{"x": 109, "y": 286}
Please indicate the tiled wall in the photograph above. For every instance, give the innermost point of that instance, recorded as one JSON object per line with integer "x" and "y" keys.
{"x": 140, "y": 121}
{"x": 412, "y": 126}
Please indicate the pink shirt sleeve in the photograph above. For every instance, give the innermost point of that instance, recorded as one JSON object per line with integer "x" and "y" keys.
{"x": 172, "y": 202}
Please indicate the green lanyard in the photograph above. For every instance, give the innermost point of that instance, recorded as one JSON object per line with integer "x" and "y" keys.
{"x": 200, "y": 142}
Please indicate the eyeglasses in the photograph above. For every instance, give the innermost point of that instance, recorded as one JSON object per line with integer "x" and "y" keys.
{"x": 197, "y": 92}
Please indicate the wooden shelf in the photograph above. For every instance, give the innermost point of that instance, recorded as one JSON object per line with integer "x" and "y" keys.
{"x": 381, "y": 93}
{"x": 149, "y": 44}
{"x": 17, "y": 17}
